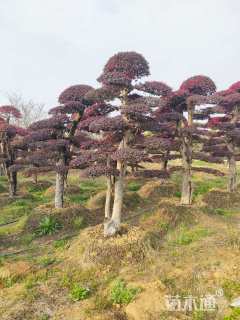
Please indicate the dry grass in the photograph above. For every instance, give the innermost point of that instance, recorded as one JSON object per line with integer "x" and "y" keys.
{"x": 164, "y": 248}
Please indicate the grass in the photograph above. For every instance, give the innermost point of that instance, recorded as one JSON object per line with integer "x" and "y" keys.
{"x": 121, "y": 294}
{"x": 13, "y": 228}
{"x": 61, "y": 244}
{"x": 176, "y": 266}
{"x": 204, "y": 186}
{"x": 186, "y": 235}
{"x": 78, "y": 292}
{"x": 19, "y": 207}
{"x": 134, "y": 186}
{"x": 46, "y": 261}
{"x": 201, "y": 185}
{"x": 231, "y": 288}
{"x": 48, "y": 226}
{"x": 87, "y": 188}
{"x": 235, "y": 315}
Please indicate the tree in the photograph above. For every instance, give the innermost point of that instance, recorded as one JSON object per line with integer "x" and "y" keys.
{"x": 47, "y": 147}
{"x": 182, "y": 105}
{"x": 224, "y": 124}
{"x": 30, "y": 110}
{"x": 158, "y": 144}
{"x": 8, "y": 133}
{"x": 133, "y": 116}
{"x": 93, "y": 149}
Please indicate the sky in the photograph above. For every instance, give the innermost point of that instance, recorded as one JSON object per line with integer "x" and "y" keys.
{"x": 49, "y": 45}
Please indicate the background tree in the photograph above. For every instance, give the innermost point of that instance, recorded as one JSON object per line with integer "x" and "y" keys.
{"x": 8, "y": 133}
{"x": 47, "y": 147}
{"x": 30, "y": 110}
{"x": 224, "y": 124}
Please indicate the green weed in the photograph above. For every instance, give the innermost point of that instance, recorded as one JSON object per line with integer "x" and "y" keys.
{"x": 60, "y": 244}
{"x": 185, "y": 236}
{"x": 231, "y": 288}
{"x": 134, "y": 186}
{"x": 48, "y": 226}
{"x": 46, "y": 261}
{"x": 235, "y": 315}
{"x": 79, "y": 292}
{"x": 121, "y": 294}
{"x": 79, "y": 223}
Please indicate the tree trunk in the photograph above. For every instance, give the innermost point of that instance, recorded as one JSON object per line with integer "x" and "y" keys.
{"x": 59, "y": 191}
{"x": 232, "y": 183}
{"x": 112, "y": 226}
{"x": 35, "y": 178}
{"x": 163, "y": 165}
{"x": 2, "y": 173}
{"x": 186, "y": 197}
{"x": 108, "y": 198}
{"x": 187, "y": 189}
{"x": 232, "y": 172}
{"x": 60, "y": 182}
{"x": 12, "y": 176}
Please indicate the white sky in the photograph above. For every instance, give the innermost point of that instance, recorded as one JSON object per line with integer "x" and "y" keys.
{"x": 48, "y": 45}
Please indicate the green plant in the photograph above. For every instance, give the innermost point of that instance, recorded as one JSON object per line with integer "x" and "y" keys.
{"x": 79, "y": 292}
{"x": 46, "y": 261}
{"x": 134, "y": 186}
{"x": 121, "y": 294}
{"x": 60, "y": 244}
{"x": 78, "y": 223}
{"x": 44, "y": 317}
{"x": 235, "y": 315}
{"x": 203, "y": 315}
{"x": 87, "y": 189}
{"x": 26, "y": 239}
{"x": 231, "y": 288}
{"x": 9, "y": 281}
{"x": 2, "y": 260}
{"x": 48, "y": 225}
{"x": 185, "y": 236}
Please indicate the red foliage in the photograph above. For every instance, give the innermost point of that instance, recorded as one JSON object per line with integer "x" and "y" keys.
{"x": 74, "y": 93}
{"x": 157, "y": 88}
{"x": 235, "y": 86}
{"x": 68, "y": 108}
{"x": 105, "y": 93}
{"x": 101, "y": 170}
{"x": 10, "y": 111}
{"x": 107, "y": 124}
{"x": 98, "y": 109}
{"x": 201, "y": 85}
{"x": 21, "y": 131}
{"x": 230, "y": 101}
{"x": 124, "y": 67}
{"x": 57, "y": 122}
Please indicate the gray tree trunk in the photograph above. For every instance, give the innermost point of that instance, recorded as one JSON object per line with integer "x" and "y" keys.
{"x": 232, "y": 172}
{"x": 163, "y": 165}
{"x": 187, "y": 189}
{"x": 59, "y": 190}
{"x": 232, "y": 183}
{"x": 2, "y": 173}
{"x": 12, "y": 176}
{"x": 60, "y": 183}
{"x": 186, "y": 196}
{"x": 112, "y": 226}
{"x": 108, "y": 198}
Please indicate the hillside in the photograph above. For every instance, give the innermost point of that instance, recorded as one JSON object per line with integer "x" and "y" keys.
{"x": 55, "y": 264}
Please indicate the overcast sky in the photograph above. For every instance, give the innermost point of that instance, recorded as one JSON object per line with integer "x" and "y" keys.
{"x": 48, "y": 45}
